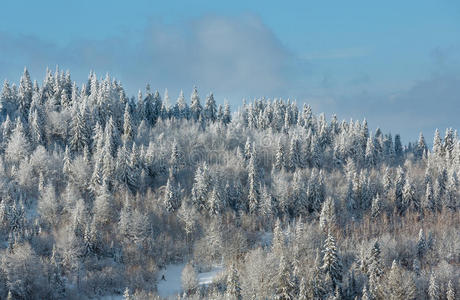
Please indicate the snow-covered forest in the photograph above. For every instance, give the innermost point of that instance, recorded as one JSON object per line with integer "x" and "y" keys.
{"x": 101, "y": 191}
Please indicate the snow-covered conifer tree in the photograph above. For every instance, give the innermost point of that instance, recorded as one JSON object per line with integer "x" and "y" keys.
{"x": 327, "y": 219}
{"x": 285, "y": 288}
{"x": 433, "y": 288}
{"x": 210, "y": 109}
{"x": 233, "y": 291}
{"x": 332, "y": 265}
{"x": 195, "y": 105}
{"x": 25, "y": 94}
{"x": 450, "y": 293}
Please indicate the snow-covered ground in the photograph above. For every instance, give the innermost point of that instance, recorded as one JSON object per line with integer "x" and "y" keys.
{"x": 208, "y": 277}
{"x": 173, "y": 285}
{"x": 117, "y": 297}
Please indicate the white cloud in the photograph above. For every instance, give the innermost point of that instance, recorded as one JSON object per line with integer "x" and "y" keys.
{"x": 220, "y": 53}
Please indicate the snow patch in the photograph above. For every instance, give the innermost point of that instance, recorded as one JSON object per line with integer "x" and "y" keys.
{"x": 207, "y": 277}
{"x": 172, "y": 285}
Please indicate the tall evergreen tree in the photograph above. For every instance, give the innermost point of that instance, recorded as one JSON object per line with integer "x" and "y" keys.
{"x": 433, "y": 288}
{"x": 285, "y": 288}
{"x": 332, "y": 265}
{"x": 210, "y": 109}
{"x": 227, "y": 116}
{"x": 450, "y": 293}
{"x": 25, "y": 94}
{"x": 195, "y": 105}
{"x": 201, "y": 187}
{"x": 80, "y": 129}
{"x": 327, "y": 219}
{"x": 253, "y": 182}
{"x": 233, "y": 291}
{"x": 128, "y": 130}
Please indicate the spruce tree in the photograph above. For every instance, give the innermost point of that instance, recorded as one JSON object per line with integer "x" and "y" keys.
{"x": 376, "y": 208}
{"x": 375, "y": 271}
{"x": 399, "y": 187}
{"x": 450, "y": 293}
{"x": 210, "y": 109}
{"x": 126, "y": 294}
{"x": 253, "y": 182}
{"x": 327, "y": 219}
{"x": 25, "y": 94}
{"x": 429, "y": 200}
{"x": 214, "y": 203}
{"x": 303, "y": 290}
{"x": 421, "y": 147}
{"x": 172, "y": 195}
{"x": 128, "y": 130}
{"x": 285, "y": 288}
{"x": 421, "y": 244}
{"x": 227, "y": 116}
{"x": 182, "y": 107}
{"x": 201, "y": 187}
{"x": 437, "y": 144}
{"x": 175, "y": 160}
{"x": 332, "y": 265}
{"x": 433, "y": 288}
{"x": 195, "y": 105}
{"x": 409, "y": 197}
{"x": 233, "y": 291}
{"x": 279, "y": 156}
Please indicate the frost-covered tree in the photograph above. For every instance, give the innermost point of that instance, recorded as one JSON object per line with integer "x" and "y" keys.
{"x": 49, "y": 206}
{"x": 285, "y": 288}
{"x": 433, "y": 288}
{"x": 279, "y": 156}
{"x": 399, "y": 190}
{"x": 175, "y": 160}
{"x": 201, "y": 187}
{"x": 421, "y": 244}
{"x": 429, "y": 201}
{"x": 253, "y": 182}
{"x": 18, "y": 146}
{"x": 80, "y": 133}
{"x": 227, "y": 116}
{"x": 24, "y": 273}
{"x": 327, "y": 219}
{"x": 409, "y": 198}
{"x": 195, "y": 105}
{"x": 398, "y": 285}
{"x": 376, "y": 208}
{"x": 450, "y": 293}
{"x": 233, "y": 291}
{"x": 128, "y": 129}
{"x": 421, "y": 147}
{"x": 181, "y": 107}
{"x": 172, "y": 195}
{"x": 126, "y": 294}
{"x": 103, "y": 206}
{"x": 25, "y": 94}
{"x": 189, "y": 279}
{"x": 210, "y": 108}
{"x": 437, "y": 144}
{"x": 375, "y": 271}
{"x": 332, "y": 265}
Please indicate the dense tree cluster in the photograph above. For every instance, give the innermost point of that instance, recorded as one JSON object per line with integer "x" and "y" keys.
{"x": 100, "y": 190}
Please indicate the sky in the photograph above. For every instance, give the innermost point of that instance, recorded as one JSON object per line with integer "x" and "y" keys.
{"x": 395, "y": 63}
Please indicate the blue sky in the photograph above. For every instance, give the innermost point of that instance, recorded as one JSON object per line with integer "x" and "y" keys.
{"x": 397, "y": 63}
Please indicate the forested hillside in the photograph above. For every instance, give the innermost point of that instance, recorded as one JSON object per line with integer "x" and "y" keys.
{"x": 100, "y": 191}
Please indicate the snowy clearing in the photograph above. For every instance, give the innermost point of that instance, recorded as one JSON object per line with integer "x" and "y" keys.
{"x": 208, "y": 277}
{"x": 172, "y": 286}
